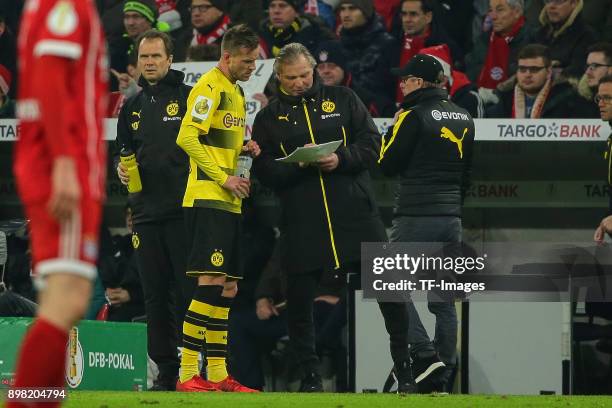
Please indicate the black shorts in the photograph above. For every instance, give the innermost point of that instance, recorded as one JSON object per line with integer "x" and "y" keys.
{"x": 213, "y": 242}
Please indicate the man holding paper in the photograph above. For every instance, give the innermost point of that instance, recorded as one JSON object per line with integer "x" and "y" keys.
{"x": 328, "y": 207}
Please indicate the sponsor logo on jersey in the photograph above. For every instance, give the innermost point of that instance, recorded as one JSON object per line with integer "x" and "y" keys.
{"x": 217, "y": 258}
{"x": 172, "y": 109}
{"x": 328, "y": 106}
{"x": 135, "y": 240}
{"x": 446, "y": 133}
{"x": 201, "y": 108}
{"x": 437, "y": 115}
{"x": 63, "y": 19}
{"x": 229, "y": 120}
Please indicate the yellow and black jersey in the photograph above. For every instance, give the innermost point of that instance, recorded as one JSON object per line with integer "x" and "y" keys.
{"x": 212, "y": 134}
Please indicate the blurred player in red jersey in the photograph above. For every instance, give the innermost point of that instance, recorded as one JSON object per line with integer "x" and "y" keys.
{"x": 59, "y": 165}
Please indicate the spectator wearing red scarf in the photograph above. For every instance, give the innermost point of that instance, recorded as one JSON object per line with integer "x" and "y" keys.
{"x": 419, "y": 30}
{"x": 493, "y": 58}
{"x": 209, "y": 22}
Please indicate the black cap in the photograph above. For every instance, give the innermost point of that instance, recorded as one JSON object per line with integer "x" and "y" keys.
{"x": 421, "y": 66}
{"x": 220, "y": 4}
{"x": 331, "y": 51}
{"x": 366, "y": 6}
{"x": 298, "y": 5}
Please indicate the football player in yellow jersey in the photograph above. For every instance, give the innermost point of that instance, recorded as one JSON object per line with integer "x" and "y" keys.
{"x": 212, "y": 134}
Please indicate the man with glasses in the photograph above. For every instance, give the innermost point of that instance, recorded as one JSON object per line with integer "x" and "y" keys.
{"x": 598, "y": 65}
{"x": 604, "y": 101}
{"x": 565, "y": 32}
{"x": 430, "y": 148}
{"x": 209, "y": 22}
{"x": 535, "y": 93}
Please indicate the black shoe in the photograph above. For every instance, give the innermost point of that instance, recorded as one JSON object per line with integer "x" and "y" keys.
{"x": 428, "y": 373}
{"x": 164, "y": 384}
{"x": 403, "y": 376}
{"x": 311, "y": 382}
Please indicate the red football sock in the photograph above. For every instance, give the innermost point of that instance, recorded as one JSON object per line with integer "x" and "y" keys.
{"x": 42, "y": 360}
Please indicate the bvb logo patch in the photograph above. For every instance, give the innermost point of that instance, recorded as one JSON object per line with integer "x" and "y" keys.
{"x": 135, "y": 125}
{"x": 328, "y": 106}
{"x": 172, "y": 109}
{"x": 202, "y": 107}
{"x": 135, "y": 241}
{"x": 216, "y": 258}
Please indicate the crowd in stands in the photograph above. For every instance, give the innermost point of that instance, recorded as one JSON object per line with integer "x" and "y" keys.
{"x": 357, "y": 42}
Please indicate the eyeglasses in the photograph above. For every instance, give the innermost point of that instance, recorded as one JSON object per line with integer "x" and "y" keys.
{"x": 409, "y": 78}
{"x": 532, "y": 70}
{"x": 202, "y": 8}
{"x": 555, "y": 2}
{"x": 606, "y": 99}
{"x": 593, "y": 66}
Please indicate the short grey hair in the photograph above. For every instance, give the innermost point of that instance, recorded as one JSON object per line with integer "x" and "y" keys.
{"x": 520, "y": 4}
{"x": 291, "y": 53}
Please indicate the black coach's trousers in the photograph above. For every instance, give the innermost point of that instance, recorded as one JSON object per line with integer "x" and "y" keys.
{"x": 301, "y": 289}
{"x": 161, "y": 256}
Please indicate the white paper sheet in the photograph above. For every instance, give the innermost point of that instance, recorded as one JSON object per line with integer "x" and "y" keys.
{"x": 311, "y": 154}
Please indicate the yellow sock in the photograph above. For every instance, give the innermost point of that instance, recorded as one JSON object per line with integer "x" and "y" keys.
{"x": 189, "y": 364}
{"x": 217, "y": 370}
{"x": 216, "y": 341}
{"x": 194, "y": 329}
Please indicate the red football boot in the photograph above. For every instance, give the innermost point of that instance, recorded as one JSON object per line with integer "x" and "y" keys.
{"x": 231, "y": 385}
{"x": 196, "y": 384}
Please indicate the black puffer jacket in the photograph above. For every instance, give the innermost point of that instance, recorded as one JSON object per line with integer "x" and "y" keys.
{"x": 371, "y": 52}
{"x": 568, "y": 43}
{"x": 325, "y": 215}
{"x": 430, "y": 147}
{"x": 149, "y": 122}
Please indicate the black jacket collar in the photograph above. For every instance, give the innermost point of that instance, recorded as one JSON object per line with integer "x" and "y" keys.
{"x": 423, "y": 95}
{"x": 171, "y": 81}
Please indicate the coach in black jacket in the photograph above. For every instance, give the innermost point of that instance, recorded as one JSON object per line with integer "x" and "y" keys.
{"x": 148, "y": 124}
{"x": 328, "y": 207}
{"x": 430, "y": 148}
